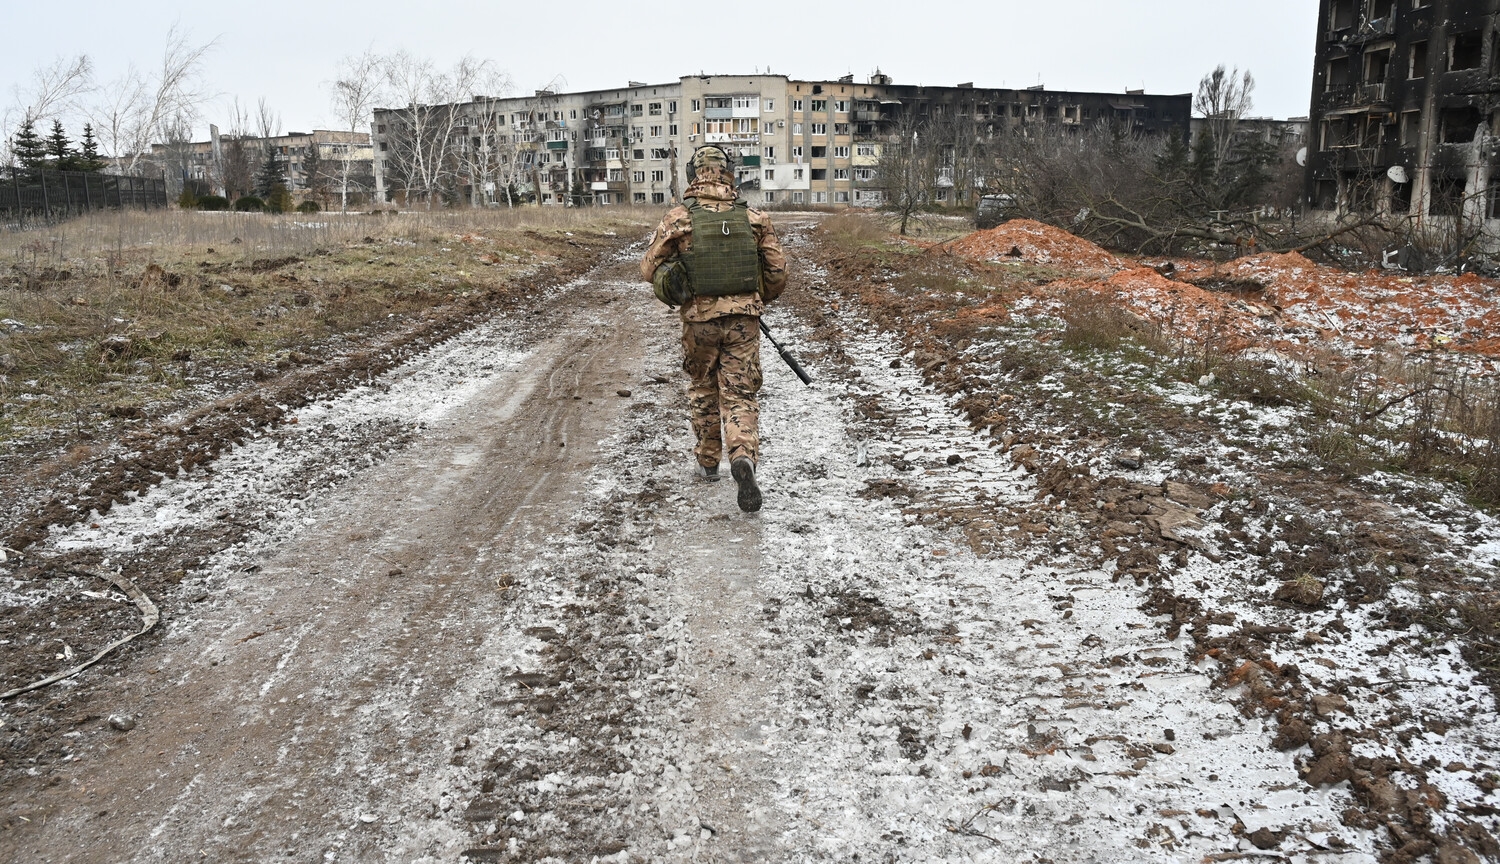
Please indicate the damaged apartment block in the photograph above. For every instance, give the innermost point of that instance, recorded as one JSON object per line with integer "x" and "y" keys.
{"x": 1404, "y": 110}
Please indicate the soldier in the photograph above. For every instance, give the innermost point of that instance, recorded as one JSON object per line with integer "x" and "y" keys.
{"x": 721, "y": 282}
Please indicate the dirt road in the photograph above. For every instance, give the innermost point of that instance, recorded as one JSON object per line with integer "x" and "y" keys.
{"x": 527, "y": 633}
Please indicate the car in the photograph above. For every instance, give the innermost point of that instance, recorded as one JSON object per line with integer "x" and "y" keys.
{"x": 993, "y": 210}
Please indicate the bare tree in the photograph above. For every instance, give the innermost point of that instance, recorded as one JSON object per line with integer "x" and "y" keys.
{"x": 355, "y": 93}
{"x": 478, "y": 148}
{"x": 424, "y": 141}
{"x": 908, "y": 170}
{"x": 1223, "y": 99}
{"x": 53, "y": 89}
{"x": 137, "y": 108}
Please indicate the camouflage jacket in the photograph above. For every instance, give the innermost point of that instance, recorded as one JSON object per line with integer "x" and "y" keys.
{"x": 675, "y": 235}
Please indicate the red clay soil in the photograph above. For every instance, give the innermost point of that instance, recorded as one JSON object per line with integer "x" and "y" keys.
{"x": 1269, "y": 300}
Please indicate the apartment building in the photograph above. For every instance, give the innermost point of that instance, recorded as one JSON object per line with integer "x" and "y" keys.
{"x": 203, "y": 162}
{"x": 796, "y": 142}
{"x": 1404, "y": 108}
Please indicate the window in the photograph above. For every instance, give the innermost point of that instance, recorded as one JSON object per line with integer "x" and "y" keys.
{"x": 841, "y": 197}
{"x": 796, "y": 128}
{"x": 746, "y": 103}
{"x": 638, "y": 176}
{"x": 1466, "y": 50}
{"x": 1377, "y": 66}
{"x": 672, "y": 107}
{"x": 658, "y": 197}
{"x": 639, "y": 197}
{"x": 637, "y": 131}
{"x": 697, "y": 128}
{"x": 841, "y": 106}
{"x": 616, "y": 174}
{"x": 573, "y": 114}
{"x": 796, "y": 106}
{"x": 746, "y": 126}
{"x": 770, "y": 197}
{"x": 659, "y": 153}
{"x": 841, "y": 128}
{"x": 1341, "y": 14}
{"x": 798, "y": 197}
{"x": 672, "y": 129}
{"x": 1459, "y": 124}
{"x": 841, "y": 173}
{"x": 770, "y": 173}
{"x": 658, "y": 176}
{"x": 655, "y": 132}
{"x": 382, "y": 147}
{"x": 770, "y": 152}
{"x": 819, "y": 105}
{"x": 819, "y": 128}
{"x": 841, "y": 152}
{"x": 604, "y": 198}
{"x": 819, "y": 152}
{"x": 820, "y": 173}
{"x": 1382, "y": 9}
{"x": 864, "y": 175}
{"x": 1338, "y": 74}
{"x": 942, "y": 194}
{"x": 770, "y": 105}
{"x": 797, "y": 173}
{"x": 612, "y": 153}
{"x": 864, "y": 149}
{"x": 820, "y": 197}
{"x": 1417, "y": 65}
{"x": 1411, "y": 128}
{"x": 696, "y": 106}
{"x": 654, "y": 109}
{"x": 637, "y": 110}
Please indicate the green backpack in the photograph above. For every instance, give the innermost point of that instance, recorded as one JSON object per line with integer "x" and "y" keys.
{"x": 725, "y": 259}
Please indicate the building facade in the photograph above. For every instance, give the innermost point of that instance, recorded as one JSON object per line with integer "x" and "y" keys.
{"x": 1404, "y": 117}
{"x": 208, "y": 164}
{"x": 796, "y": 142}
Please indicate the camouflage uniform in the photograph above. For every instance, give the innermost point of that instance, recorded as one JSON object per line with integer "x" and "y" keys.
{"x": 721, "y": 335}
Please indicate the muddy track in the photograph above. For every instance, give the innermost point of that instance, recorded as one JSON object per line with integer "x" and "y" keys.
{"x": 529, "y": 634}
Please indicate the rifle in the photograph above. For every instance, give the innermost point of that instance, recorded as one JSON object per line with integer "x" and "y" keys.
{"x": 786, "y": 356}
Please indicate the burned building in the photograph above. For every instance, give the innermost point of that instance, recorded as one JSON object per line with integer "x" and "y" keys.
{"x": 1403, "y": 115}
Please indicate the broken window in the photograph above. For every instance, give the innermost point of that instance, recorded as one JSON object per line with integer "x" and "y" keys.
{"x": 1341, "y": 14}
{"x": 1447, "y": 195}
{"x": 1338, "y": 74}
{"x": 1417, "y": 66}
{"x": 1466, "y": 51}
{"x": 1377, "y": 65}
{"x": 1411, "y": 128}
{"x": 1325, "y": 195}
{"x": 1401, "y": 198}
{"x": 819, "y": 173}
{"x": 1360, "y": 188}
{"x": 820, "y": 105}
{"x": 1459, "y": 124}
{"x": 1492, "y": 200}
{"x": 1382, "y": 9}
{"x": 819, "y": 152}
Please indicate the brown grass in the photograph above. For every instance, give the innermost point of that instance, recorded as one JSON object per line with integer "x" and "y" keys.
{"x": 115, "y": 315}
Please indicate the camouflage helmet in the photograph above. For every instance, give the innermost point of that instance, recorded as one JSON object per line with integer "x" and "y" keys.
{"x": 713, "y": 163}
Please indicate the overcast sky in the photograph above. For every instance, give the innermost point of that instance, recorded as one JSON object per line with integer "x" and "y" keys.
{"x": 289, "y": 52}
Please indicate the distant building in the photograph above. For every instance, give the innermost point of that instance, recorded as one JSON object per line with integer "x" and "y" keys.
{"x": 1403, "y": 117}
{"x": 206, "y": 162}
{"x": 796, "y": 142}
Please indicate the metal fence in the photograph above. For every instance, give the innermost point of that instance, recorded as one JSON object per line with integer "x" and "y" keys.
{"x": 50, "y": 196}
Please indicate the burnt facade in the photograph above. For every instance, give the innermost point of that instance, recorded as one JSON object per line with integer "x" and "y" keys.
{"x": 1404, "y": 109}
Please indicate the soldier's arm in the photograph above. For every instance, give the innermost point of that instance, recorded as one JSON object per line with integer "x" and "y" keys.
{"x": 772, "y": 259}
{"x": 667, "y": 241}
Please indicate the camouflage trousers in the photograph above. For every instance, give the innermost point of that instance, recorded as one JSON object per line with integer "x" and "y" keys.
{"x": 722, "y": 357}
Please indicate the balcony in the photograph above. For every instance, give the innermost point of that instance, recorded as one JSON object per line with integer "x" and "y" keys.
{"x": 718, "y": 113}
{"x": 750, "y": 161}
{"x": 865, "y": 116}
{"x": 557, "y": 145}
{"x": 607, "y": 186}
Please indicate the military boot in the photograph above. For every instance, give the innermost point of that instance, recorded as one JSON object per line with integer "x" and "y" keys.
{"x": 744, "y": 474}
{"x": 707, "y": 472}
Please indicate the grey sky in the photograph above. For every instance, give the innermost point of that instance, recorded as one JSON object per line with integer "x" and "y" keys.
{"x": 288, "y": 52}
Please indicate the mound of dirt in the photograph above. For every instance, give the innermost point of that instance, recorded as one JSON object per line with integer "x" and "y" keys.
{"x": 1183, "y": 308}
{"x": 1026, "y": 241}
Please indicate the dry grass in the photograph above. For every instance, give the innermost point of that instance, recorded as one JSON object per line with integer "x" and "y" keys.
{"x": 116, "y": 314}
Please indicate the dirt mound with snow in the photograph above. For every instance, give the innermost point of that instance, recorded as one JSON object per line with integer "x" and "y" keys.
{"x": 1029, "y": 242}
{"x": 1280, "y": 300}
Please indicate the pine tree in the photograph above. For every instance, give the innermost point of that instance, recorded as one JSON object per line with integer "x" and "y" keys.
{"x": 30, "y": 151}
{"x": 88, "y": 155}
{"x": 272, "y": 174}
{"x": 60, "y": 149}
